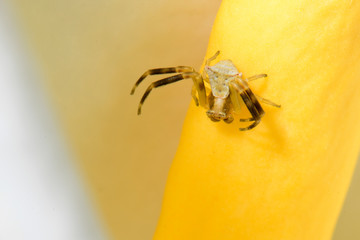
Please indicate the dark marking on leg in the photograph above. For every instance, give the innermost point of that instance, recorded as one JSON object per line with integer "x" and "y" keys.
{"x": 256, "y": 116}
{"x": 200, "y": 87}
{"x": 156, "y": 71}
{"x": 250, "y": 126}
{"x": 230, "y": 119}
{"x": 241, "y": 87}
{"x": 198, "y": 83}
{"x": 255, "y": 102}
{"x": 246, "y": 119}
{"x": 251, "y": 107}
{"x": 156, "y": 84}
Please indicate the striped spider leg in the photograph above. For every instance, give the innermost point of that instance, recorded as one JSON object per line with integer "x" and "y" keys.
{"x": 240, "y": 88}
{"x": 185, "y": 73}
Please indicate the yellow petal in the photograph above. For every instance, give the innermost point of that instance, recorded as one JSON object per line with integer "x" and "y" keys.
{"x": 287, "y": 178}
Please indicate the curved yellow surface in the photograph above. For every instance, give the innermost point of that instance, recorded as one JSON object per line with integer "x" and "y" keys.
{"x": 287, "y": 178}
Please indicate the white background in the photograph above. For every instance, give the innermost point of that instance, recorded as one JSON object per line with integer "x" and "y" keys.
{"x": 42, "y": 195}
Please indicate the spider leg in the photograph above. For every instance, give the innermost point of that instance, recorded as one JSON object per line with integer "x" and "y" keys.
{"x": 207, "y": 62}
{"x": 235, "y": 97}
{"x": 240, "y": 87}
{"x": 198, "y": 83}
{"x": 254, "y": 108}
{"x": 156, "y": 71}
{"x": 252, "y": 78}
{"x": 250, "y": 101}
{"x": 193, "y": 94}
{"x": 246, "y": 119}
{"x": 199, "y": 86}
{"x": 251, "y": 126}
{"x": 264, "y": 100}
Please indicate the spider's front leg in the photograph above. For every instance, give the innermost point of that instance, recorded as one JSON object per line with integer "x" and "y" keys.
{"x": 157, "y": 71}
{"x": 203, "y": 76}
{"x": 240, "y": 90}
{"x": 198, "y": 83}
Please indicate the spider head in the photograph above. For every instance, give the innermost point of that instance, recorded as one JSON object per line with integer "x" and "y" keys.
{"x": 219, "y": 110}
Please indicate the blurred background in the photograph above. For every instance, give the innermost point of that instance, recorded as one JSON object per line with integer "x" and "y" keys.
{"x": 76, "y": 162}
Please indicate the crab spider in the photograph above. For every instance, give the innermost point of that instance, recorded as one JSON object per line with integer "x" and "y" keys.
{"x": 227, "y": 90}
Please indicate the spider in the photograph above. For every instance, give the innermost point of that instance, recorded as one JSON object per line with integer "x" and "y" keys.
{"x": 223, "y": 98}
